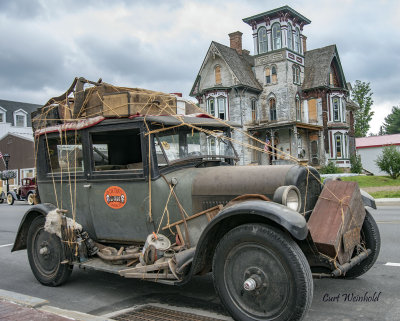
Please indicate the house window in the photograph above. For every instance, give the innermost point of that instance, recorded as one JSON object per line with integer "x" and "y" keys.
{"x": 20, "y": 120}
{"x": 211, "y": 106}
{"x": 298, "y": 108}
{"x": 262, "y": 40}
{"x": 336, "y": 108}
{"x": 253, "y": 110}
{"x": 338, "y": 145}
{"x": 272, "y": 109}
{"x": 2, "y": 117}
{"x": 290, "y": 37}
{"x": 218, "y": 75}
{"x": 222, "y": 108}
{"x": 296, "y": 75}
{"x": 276, "y": 36}
{"x": 267, "y": 75}
{"x": 297, "y": 45}
{"x": 274, "y": 74}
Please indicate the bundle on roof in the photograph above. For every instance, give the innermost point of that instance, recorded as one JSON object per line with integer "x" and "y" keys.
{"x": 101, "y": 99}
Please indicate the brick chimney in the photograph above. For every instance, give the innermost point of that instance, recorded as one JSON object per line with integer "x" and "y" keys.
{"x": 236, "y": 41}
{"x": 304, "y": 44}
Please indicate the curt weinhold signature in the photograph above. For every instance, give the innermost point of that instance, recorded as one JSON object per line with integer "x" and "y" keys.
{"x": 352, "y": 297}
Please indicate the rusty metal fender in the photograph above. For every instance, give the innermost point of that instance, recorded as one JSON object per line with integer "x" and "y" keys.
{"x": 251, "y": 211}
{"x": 30, "y": 215}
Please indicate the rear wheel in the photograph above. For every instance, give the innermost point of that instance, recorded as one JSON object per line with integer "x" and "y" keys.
{"x": 45, "y": 254}
{"x": 370, "y": 239}
{"x": 260, "y": 273}
{"x": 10, "y": 199}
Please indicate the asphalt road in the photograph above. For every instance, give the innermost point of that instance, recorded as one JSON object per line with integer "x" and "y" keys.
{"x": 101, "y": 293}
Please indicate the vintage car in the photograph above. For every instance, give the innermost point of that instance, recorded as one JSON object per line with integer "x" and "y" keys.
{"x": 25, "y": 192}
{"x": 161, "y": 198}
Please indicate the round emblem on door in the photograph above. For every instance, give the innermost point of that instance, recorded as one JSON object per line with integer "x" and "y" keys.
{"x": 115, "y": 197}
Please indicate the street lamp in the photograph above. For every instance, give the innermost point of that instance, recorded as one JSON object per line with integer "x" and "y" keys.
{"x": 6, "y": 158}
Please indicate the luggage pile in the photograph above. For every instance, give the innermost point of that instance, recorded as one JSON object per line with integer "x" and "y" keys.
{"x": 102, "y": 99}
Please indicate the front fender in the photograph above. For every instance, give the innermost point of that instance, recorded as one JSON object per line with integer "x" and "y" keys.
{"x": 14, "y": 195}
{"x": 30, "y": 215}
{"x": 367, "y": 199}
{"x": 252, "y": 211}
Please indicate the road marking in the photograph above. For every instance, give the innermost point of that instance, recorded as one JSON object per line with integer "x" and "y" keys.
{"x": 392, "y": 264}
{"x": 5, "y": 245}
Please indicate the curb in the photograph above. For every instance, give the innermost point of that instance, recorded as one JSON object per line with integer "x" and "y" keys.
{"x": 387, "y": 201}
{"x": 42, "y": 305}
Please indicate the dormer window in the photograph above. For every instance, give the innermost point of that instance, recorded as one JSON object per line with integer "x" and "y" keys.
{"x": 20, "y": 118}
{"x": 218, "y": 75}
{"x": 2, "y": 115}
{"x": 290, "y": 37}
{"x": 262, "y": 40}
{"x": 276, "y": 36}
{"x": 297, "y": 45}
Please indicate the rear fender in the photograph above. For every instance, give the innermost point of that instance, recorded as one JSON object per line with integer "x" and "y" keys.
{"x": 252, "y": 211}
{"x": 30, "y": 215}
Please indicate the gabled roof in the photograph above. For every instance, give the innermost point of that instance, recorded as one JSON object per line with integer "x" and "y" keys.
{"x": 12, "y": 106}
{"x": 240, "y": 66}
{"x": 317, "y": 65}
{"x": 377, "y": 141}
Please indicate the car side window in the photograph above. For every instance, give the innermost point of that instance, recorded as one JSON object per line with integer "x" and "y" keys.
{"x": 117, "y": 150}
{"x": 64, "y": 154}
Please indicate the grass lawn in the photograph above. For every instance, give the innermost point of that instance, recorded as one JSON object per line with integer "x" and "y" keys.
{"x": 373, "y": 181}
{"x": 386, "y": 194}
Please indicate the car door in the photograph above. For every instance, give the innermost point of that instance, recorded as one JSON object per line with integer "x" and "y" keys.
{"x": 117, "y": 185}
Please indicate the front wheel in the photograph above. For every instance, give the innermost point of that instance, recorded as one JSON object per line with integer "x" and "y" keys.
{"x": 370, "y": 239}
{"x": 10, "y": 199}
{"x": 45, "y": 254}
{"x": 31, "y": 198}
{"x": 260, "y": 273}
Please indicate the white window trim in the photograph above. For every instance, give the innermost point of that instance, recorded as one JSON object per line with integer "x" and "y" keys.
{"x": 20, "y": 112}
{"x": 4, "y": 113}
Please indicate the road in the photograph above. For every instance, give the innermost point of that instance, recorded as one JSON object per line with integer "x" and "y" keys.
{"x": 101, "y": 293}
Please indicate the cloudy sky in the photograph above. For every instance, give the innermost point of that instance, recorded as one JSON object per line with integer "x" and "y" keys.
{"x": 160, "y": 45}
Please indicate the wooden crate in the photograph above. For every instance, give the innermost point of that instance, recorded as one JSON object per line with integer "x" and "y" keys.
{"x": 141, "y": 102}
{"x": 335, "y": 228}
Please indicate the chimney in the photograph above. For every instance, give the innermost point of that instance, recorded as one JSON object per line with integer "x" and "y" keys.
{"x": 304, "y": 44}
{"x": 236, "y": 41}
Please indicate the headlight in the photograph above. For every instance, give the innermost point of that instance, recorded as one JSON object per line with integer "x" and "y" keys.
{"x": 288, "y": 196}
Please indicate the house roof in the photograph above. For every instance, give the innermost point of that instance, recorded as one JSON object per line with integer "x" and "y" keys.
{"x": 239, "y": 65}
{"x": 377, "y": 141}
{"x": 12, "y": 106}
{"x": 274, "y": 12}
{"x": 317, "y": 66}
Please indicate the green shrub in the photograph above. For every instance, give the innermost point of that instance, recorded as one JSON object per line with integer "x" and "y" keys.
{"x": 389, "y": 161}
{"x": 330, "y": 168}
{"x": 356, "y": 165}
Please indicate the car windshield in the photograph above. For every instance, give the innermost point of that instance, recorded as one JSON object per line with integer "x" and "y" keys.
{"x": 177, "y": 144}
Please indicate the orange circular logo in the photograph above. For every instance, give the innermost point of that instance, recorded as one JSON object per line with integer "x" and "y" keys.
{"x": 115, "y": 197}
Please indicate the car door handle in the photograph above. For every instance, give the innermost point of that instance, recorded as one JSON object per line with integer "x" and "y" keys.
{"x": 87, "y": 186}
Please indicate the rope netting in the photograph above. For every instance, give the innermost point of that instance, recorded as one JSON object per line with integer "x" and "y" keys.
{"x": 144, "y": 103}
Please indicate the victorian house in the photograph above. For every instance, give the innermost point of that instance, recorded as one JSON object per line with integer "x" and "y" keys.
{"x": 294, "y": 99}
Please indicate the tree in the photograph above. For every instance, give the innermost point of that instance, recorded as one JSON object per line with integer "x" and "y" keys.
{"x": 389, "y": 161}
{"x": 362, "y": 95}
{"x": 392, "y": 121}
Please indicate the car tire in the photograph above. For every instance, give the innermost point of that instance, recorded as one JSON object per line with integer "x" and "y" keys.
{"x": 45, "y": 254}
{"x": 31, "y": 198}
{"x": 371, "y": 239}
{"x": 10, "y": 199}
{"x": 281, "y": 274}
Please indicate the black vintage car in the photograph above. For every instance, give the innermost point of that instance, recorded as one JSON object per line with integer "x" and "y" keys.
{"x": 160, "y": 198}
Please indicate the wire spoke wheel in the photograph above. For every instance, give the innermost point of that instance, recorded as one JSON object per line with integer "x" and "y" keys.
{"x": 261, "y": 274}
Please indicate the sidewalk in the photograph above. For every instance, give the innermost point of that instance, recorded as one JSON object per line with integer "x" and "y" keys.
{"x": 15, "y": 306}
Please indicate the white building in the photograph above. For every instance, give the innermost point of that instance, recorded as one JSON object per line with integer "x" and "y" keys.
{"x": 369, "y": 148}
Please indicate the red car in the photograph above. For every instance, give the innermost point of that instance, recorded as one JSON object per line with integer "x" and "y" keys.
{"x": 25, "y": 193}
